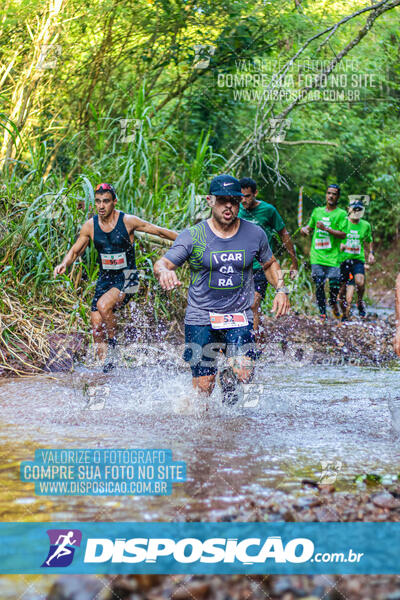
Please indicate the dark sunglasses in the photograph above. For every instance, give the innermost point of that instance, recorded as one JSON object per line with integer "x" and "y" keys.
{"x": 232, "y": 199}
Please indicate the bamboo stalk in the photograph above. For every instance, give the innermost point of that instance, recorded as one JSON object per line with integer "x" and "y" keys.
{"x": 152, "y": 239}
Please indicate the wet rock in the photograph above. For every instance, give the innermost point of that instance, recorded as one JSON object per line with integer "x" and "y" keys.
{"x": 326, "y": 581}
{"x": 310, "y": 482}
{"x": 288, "y": 516}
{"x": 308, "y": 502}
{"x": 325, "y": 514}
{"x": 280, "y": 586}
{"x": 326, "y": 488}
{"x": 370, "y": 344}
{"x": 124, "y": 585}
{"x": 146, "y": 582}
{"x": 79, "y": 587}
{"x": 385, "y": 500}
{"x": 192, "y": 591}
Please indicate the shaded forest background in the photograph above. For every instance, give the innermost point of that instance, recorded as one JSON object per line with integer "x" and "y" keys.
{"x": 157, "y": 96}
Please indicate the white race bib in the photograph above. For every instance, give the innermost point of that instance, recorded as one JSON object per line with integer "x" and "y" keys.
{"x": 353, "y": 246}
{"x": 228, "y": 320}
{"x": 323, "y": 243}
{"x": 113, "y": 261}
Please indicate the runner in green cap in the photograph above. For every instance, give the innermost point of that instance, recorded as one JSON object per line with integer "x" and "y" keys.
{"x": 352, "y": 269}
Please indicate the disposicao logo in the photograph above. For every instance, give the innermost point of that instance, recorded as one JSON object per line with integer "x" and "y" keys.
{"x": 62, "y": 547}
{"x": 190, "y": 550}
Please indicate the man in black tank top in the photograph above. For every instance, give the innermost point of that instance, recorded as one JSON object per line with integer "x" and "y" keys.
{"x": 112, "y": 233}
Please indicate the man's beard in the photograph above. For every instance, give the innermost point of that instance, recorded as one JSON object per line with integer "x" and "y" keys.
{"x": 220, "y": 220}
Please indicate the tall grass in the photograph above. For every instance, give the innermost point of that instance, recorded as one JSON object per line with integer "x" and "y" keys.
{"x": 42, "y": 211}
{"x": 301, "y": 289}
{"x": 41, "y": 215}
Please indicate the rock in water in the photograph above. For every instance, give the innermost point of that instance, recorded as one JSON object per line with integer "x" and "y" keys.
{"x": 79, "y": 587}
{"x": 385, "y": 500}
{"x": 196, "y": 590}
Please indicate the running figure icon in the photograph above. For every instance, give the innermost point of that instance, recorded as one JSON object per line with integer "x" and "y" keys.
{"x": 62, "y": 549}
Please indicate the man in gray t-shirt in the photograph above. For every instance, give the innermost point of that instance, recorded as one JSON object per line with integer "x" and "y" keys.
{"x": 221, "y": 251}
{"x": 221, "y": 269}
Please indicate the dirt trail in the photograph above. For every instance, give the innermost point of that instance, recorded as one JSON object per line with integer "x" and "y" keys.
{"x": 355, "y": 342}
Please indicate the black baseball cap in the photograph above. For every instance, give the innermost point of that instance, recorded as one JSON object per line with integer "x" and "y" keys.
{"x": 225, "y": 185}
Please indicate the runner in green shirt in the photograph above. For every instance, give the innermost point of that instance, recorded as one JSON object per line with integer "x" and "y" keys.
{"x": 328, "y": 224}
{"x": 352, "y": 269}
{"x": 266, "y": 216}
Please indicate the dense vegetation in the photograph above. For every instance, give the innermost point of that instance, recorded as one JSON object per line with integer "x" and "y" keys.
{"x": 188, "y": 76}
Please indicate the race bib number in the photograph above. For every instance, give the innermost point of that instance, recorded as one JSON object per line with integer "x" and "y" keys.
{"x": 323, "y": 243}
{"x": 228, "y": 320}
{"x": 113, "y": 261}
{"x": 353, "y": 246}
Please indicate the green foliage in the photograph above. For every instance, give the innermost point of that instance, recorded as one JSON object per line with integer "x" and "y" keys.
{"x": 374, "y": 479}
{"x": 301, "y": 289}
{"x": 136, "y": 61}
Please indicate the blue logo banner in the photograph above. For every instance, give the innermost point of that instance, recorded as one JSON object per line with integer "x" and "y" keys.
{"x": 225, "y": 548}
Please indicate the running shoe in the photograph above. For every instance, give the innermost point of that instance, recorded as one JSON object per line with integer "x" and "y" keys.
{"x": 361, "y": 309}
{"x": 229, "y": 385}
{"x": 111, "y": 360}
{"x": 336, "y": 312}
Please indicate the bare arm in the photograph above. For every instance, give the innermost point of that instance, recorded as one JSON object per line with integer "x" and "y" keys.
{"x": 397, "y": 335}
{"x": 371, "y": 257}
{"x": 273, "y": 273}
{"x": 335, "y": 232}
{"x": 76, "y": 250}
{"x": 136, "y": 224}
{"x": 164, "y": 270}
{"x": 287, "y": 242}
{"x": 274, "y": 276}
{"x": 306, "y": 230}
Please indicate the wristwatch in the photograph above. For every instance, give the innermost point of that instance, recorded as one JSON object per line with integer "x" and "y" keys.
{"x": 283, "y": 289}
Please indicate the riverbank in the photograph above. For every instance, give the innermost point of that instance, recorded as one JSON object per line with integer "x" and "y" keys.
{"x": 226, "y": 587}
{"x": 293, "y": 338}
{"x": 307, "y": 339}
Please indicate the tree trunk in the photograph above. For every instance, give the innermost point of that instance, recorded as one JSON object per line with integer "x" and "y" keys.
{"x": 24, "y": 92}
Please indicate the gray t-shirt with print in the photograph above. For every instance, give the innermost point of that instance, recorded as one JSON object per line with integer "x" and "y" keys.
{"x": 221, "y": 274}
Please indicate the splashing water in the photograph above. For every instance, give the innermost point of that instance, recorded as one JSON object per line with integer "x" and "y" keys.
{"x": 291, "y": 421}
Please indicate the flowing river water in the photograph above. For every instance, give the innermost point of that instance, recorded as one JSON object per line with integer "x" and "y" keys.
{"x": 296, "y": 419}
